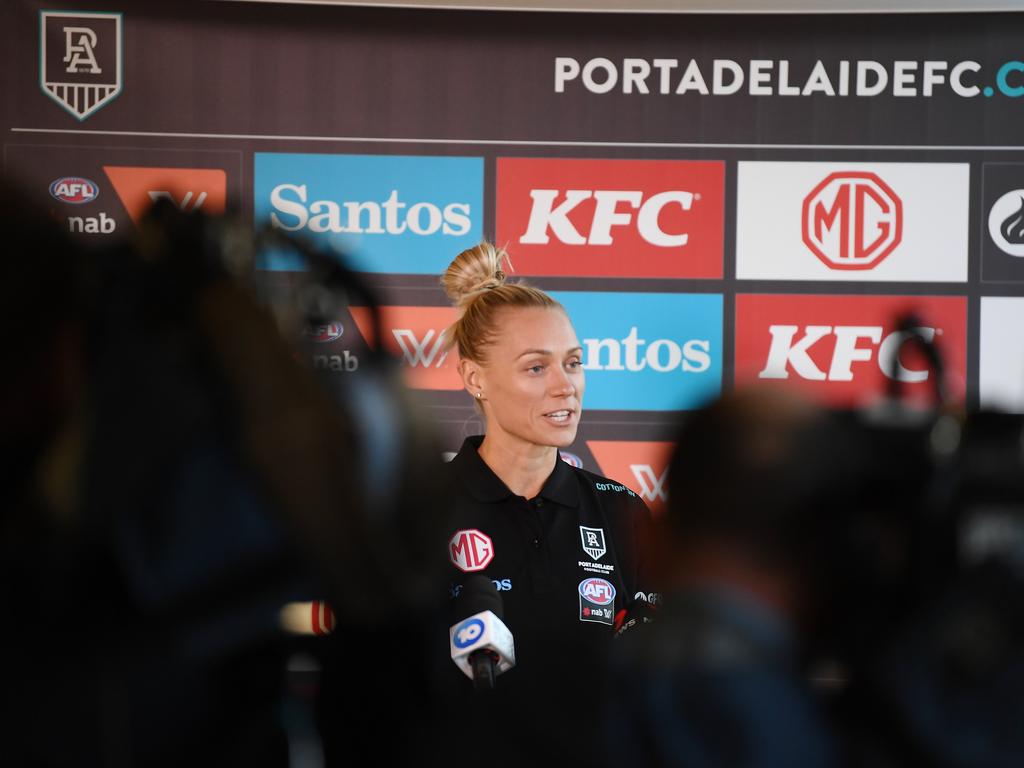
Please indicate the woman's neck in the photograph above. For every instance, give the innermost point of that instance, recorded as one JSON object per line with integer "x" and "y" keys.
{"x": 523, "y": 467}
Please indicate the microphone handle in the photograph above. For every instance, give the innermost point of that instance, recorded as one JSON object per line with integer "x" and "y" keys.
{"x": 483, "y": 663}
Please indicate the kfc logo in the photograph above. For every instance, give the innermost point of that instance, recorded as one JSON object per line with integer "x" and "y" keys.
{"x": 847, "y": 348}
{"x": 581, "y": 217}
{"x": 852, "y": 220}
{"x": 470, "y": 550}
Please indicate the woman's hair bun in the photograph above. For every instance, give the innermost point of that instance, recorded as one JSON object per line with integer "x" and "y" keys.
{"x": 474, "y": 271}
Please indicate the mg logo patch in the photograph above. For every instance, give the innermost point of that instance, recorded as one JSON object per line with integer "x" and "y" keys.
{"x": 470, "y": 550}
{"x": 80, "y": 59}
{"x": 593, "y": 542}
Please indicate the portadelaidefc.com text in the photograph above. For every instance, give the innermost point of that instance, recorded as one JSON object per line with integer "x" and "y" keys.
{"x": 770, "y": 77}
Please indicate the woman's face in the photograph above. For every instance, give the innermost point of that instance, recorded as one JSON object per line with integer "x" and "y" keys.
{"x": 532, "y": 382}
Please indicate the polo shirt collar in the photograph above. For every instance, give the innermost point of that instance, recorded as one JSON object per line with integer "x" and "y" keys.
{"x": 484, "y": 485}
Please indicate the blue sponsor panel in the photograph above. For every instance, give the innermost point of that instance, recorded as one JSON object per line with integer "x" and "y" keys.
{"x": 386, "y": 213}
{"x": 648, "y": 351}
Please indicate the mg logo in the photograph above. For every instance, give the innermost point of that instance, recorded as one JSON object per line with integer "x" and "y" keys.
{"x": 470, "y": 550}
{"x": 852, "y": 220}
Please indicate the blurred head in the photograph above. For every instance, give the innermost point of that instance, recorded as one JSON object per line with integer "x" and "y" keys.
{"x": 751, "y": 484}
{"x": 520, "y": 359}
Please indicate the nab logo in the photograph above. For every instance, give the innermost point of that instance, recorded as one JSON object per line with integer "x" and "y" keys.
{"x": 847, "y": 348}
{"x": 189, "y": 189}
{"x": 597, "y": 591}
{"x": 468, "y": 632}
{"x": 643, "y": 466}
{"x": 852, "y": 220}
{"x": 580, "y": 217}
{"x": 416, "y": 336}
{"x": 74, "y": 190}
{"x": 470, "y": 550}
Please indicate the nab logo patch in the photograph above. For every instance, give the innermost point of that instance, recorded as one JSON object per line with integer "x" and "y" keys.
{"x": 593, "y": 542}
{"x": 846, "y": 348}
{"x": 470, "y": 550}
{"x": 80, "y": 59}
{"x": 416, "y": 336}
{"x": 468, "y": 633}
{"x": 650, "y": 351}
{"x": 612, "y": 218}
{"x": 74, "y": 190}
{"x": 190, "y": 189}
{"x": 641, "y": 465}
{"x": 385, "y": 213}
{"x": 896, "y": 222}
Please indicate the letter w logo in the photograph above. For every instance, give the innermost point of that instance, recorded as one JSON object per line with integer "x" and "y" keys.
{"x": 185, "y": 200}
{"x": 652, "y": 485}
{"x": 418, "y": 352}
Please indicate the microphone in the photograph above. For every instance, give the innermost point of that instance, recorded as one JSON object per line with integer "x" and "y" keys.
{"x": 642, "y": 612}
{"x": 481, "y": 644}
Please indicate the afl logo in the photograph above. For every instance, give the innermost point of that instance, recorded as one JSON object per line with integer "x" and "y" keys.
{"x": 470, "y": 550}
{"x": 322, "y": 334}
{"x": 571, "y": 459}
{"x": 467, "y": 633}
{"x": 74, "y": 190}
{"x": 598, "y": 591}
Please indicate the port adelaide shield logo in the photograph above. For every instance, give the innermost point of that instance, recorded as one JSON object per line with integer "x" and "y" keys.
{"x": 80, "y": 59}
{"x": 593, "y": 542}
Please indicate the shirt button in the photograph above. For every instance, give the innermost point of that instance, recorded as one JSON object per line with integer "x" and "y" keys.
{"x": 536, "y": 543}
{"x": 538, "y": 503}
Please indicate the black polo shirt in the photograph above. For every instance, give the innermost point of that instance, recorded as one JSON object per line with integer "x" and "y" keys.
{"x": 565, "y": 563}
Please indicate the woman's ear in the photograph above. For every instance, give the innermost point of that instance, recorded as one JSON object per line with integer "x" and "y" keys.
{"x": 472, "y": 377}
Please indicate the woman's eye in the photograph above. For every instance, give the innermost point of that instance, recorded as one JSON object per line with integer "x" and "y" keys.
{"x": 536, "y": 369}
{"x": 574, "y": 364}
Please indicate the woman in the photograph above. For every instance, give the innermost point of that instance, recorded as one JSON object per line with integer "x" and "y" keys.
{"x": 562, "y": 545}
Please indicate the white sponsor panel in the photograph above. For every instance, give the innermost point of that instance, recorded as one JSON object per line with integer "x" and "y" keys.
{"x": 891, "y": 222}
{"x": 1001, "y": 375}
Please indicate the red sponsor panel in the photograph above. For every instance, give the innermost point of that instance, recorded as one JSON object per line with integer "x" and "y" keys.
{"x": 639, "y": 465}
{"x": 416, "y": 336}
{"x": 612, "y": 218}
{"x": 846, "y": 350}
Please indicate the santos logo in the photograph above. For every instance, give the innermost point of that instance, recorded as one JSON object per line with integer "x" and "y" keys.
{"x": 383, "y": 213}
{"x": 846, "y": 348}
{"x": 654, "y": 351}
{"x": 415, "y": 335}
{"x": 580, "y": 217}
{"x": 878, "y": 221}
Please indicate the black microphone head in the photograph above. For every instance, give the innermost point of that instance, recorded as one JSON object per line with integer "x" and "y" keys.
{"x": 478, "y": 594}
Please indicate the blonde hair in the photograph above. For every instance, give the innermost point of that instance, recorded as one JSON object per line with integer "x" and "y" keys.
{"x": 475, "y": 281}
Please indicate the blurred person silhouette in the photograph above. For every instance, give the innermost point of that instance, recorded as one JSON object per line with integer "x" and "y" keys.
{"x": 175, "y": 476}
{"x": 718, "y": 679}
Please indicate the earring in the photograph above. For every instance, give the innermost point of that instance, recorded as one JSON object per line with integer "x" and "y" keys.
{"x": 479, "y": 395}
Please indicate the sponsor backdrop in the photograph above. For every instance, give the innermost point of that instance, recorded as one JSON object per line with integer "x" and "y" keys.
{"x": 718, "y": 201}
